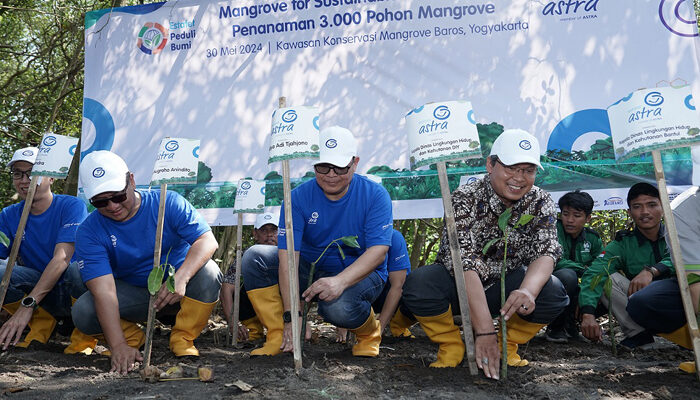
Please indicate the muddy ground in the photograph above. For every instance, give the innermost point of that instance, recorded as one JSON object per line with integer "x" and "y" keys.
{"x": 578, "y": 370}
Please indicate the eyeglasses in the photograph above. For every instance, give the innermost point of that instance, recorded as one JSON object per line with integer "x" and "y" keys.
{"x": 17, "y": 174}
{"x": 323, "y": 169}
{"x": 120, "y": 197}
{"x": 510, "y": 170}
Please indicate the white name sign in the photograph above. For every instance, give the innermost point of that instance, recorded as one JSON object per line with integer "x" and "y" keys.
{"x": 55, "y": 155}
{"x": 176, "y": 162}
{"x": 294, "y": 134}
{"x": 250, "y": 196}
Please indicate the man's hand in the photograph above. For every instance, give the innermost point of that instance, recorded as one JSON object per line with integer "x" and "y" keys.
{"x": 242, "y": 332}
{"x": 488, "y": 355}
{"x": 341, "y": 335}
{"x": 520, "y": 301}
{"x": 327, "y": 289}
{"x": 287, "y": 342}
{"x": 124, "y": 358}
{"x": 164, "y": 297}
{"x": 590, "y": 328}
{"x": 12, "y": 329}
{"x": 642, "y": 280}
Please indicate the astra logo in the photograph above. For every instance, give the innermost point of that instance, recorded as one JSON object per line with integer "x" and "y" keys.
{"x": 613, "y": 201}
{"x": 172, "y": 145}
{"x": 331, "y": 143}
{"x": 114, "y": 240}
{"x": 245, "y": 185}
{"x": 27, "y": 153}
{"x": 654, "y": 99}
{"x": 267, "y": 217}
{"x": 262, "y": 190}
{"x": 49, "y": 141}
{"x": 525, "y": 145}
{"x": 567, "y": 7}
{"x": 98, "y": 172}
{"x": 314, "y": 218}
{"x": 441, "y": 113}
{"x": 289, "y": 116}
{"x": 471, "y": 180}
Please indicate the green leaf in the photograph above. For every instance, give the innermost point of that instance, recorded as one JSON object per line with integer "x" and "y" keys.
{"x": 350, "y": 241}
{"x": 596, "y": 280}
{"x": 170, "y": 281}
{"x": 489, "y": 244}
{"x": 608, "y": 288}
{"x": 340, "y": 250}
{"x": 523, "y": 220}
{"x": 155, "y": 279}
{"x": 503, "y": 219}
{"x": 692, "y": 278}
{"x": 4, "y": 240}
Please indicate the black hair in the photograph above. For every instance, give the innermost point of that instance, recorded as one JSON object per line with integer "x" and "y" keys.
{"x": 577, "y": 200}
{"x": 642, "y": 188}
{"x": 494, "y": 159}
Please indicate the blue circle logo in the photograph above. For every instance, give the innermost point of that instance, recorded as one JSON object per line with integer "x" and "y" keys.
{"x": 71, "y": 150}
{"x": 49, "y": 141}
{"x": 27, "y": 153}
{"x": 331, "y": 143}
{"x": 525, "y": 144}
{"x": 441, "y": 112}
{"x": 289, "y": 116}
{"x": 245, "y": 185}
{"x": 654, "y": 99}
{"x": 98, "y": 172}
{"x": 689, "y": 102}
{"x": 316, "y": 123}
{"x": 267, "y": 217}
{"x": 195, "y": 152}
{"x": 172, "y": 145}
{"x": 471, "y": 180}
{"x": 262, "y": 190}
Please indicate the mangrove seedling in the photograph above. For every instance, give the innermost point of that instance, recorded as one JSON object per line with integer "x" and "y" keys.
{"x": 607, "y": 289}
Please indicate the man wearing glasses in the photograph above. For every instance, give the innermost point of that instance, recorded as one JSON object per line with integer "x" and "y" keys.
{"x": 114, "y": 249}
{"x": 37, "y": 293}
{"x": 533, "y": 296}
{"x": 337, "y": 203}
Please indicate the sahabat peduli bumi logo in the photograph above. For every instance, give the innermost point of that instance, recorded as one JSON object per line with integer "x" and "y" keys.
{"x": 152, "y": 38}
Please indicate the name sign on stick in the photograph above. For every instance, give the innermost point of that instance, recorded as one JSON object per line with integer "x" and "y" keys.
{"x": 653, "y": 119}
{"x": 441, "y": 132}
{"x": 55, "y": 155}
{"x": 294, "y": 134}
{"x": 250, "y": 196}
{"x": 176, "y": 162}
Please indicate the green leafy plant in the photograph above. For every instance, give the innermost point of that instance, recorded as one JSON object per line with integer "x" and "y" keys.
{"x": 503, "y": 226}
{"x": 607, "y": 289}
{"x": 155, "y": 278}
{"x": 4, "y": 240}
{"x": 350, "y": 241}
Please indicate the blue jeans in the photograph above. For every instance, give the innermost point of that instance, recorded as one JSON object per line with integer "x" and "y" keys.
{"x": 23, "y": 279}
{"x": 658, "y": 307}
{"x": 133, "y": 301}
{"x": 260, "y": 269}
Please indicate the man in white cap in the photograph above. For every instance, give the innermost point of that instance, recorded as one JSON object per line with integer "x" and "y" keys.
{"x": 265, "y": 237}
{"x": 37, "y": 294}
{"x": 337, "y": 203}
{"x": 114, "y": 251}
{"x": 534, "y": 297}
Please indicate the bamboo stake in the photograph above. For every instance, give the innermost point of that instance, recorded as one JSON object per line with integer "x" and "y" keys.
{"x": 150, "y": 325}
{"x": 18, "y": 238}
{"x": 291, "y": 259}
{"x": 677, "y": 258}
{"x": 457, "y": 268}
{"x": 235, "y": 312}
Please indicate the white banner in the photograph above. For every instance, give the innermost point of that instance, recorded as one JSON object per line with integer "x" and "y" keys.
{"x": 176, "y": 162}
{"x": 55, "y": 155}
{"x": 214, "y": 70}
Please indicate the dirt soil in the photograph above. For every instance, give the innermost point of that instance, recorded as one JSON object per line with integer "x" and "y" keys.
{"x": 577, "y": 370}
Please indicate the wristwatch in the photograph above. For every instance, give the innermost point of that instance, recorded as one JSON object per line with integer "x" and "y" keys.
{"x": 29, "y": 302}
{"x": 287, "y": 316}
{"x": 652, "y": 270}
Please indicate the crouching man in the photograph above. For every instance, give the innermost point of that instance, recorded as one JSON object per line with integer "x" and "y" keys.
{"x": 534, "y": 296}
{"x": 114, "y": 248}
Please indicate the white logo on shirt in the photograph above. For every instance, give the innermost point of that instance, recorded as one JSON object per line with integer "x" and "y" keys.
{"x": 314, "y": 218}
{"x": 114, "y": 240}
{"x": 586, "y": 247}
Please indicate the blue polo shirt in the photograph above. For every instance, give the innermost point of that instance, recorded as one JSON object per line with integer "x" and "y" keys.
{"x": 364, "y": 211}
{"x": 125, "y": 249}
{"x": 44, "y": 231}
{"x": 397, "y": 257}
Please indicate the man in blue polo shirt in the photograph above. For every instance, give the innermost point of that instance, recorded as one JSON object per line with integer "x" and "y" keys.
{"x": 37, "y": 293}
{"x": 114, "y": 249}
{"x": 337, "y": 203}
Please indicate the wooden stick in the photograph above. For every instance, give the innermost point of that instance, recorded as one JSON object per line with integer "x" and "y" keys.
{"x": 235, "y": 312}
{"x": 293, "y": 274}
{"x": 150, "y": 325}
{"x": 677, "y": 258}
{"x": 18, "y": 238}
{"x": 457, "y": 268}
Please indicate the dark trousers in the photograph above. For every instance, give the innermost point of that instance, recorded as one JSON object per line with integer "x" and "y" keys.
{"x": 658, "y": 307}
{"x": 246, "y": 310}
{"x": 430, "y": 290}
{"x": 569, "y": 279}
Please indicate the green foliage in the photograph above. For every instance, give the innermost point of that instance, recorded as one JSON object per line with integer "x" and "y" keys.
{"x": 155, "y": 277}
{"x": 203, "y": 173}
{"x": 4, "y": 240}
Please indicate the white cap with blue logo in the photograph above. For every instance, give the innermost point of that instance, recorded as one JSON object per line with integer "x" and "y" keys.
{"x": 27, "y": 154}
{"x": 102, "y": 171}
{"x": 338, "y": 146}
{"x": 266, "y": 218}
{"x": 515, "y": 146}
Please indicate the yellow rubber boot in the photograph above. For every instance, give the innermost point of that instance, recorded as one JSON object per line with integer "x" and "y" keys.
{"x": 688, "y": 366}
{"x": 189, "y": 322}
{"x": 40, "y": 325}
{"x": 399, "y": 325}
{"x": 255, "y": 328}
{"x": 368, "y": 335}
{"x": 267, "y": 303}
{"x": 80, "y": 342}
{"x": 442, "y": 330}
{"x": 680, "y": 336}
{"x": 519, "y": 332}
{"x": 132, "y": 333}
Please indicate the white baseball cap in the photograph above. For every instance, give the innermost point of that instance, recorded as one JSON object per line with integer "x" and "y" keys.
{"x": 102, "y": 171}
{"x": 515, "y": 146}
{"x": 27, "y": 154}
{"x": 338, "y": 146}
{"x": 266, "y": 218}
